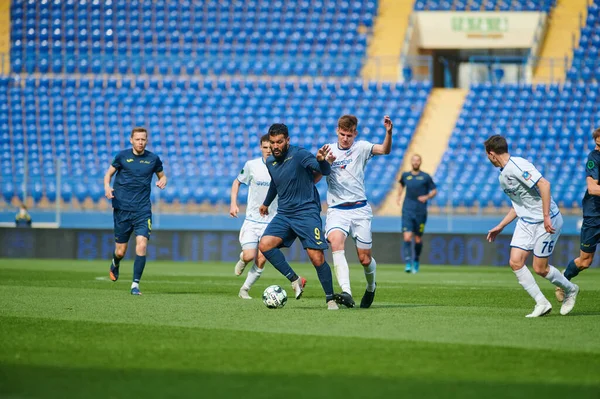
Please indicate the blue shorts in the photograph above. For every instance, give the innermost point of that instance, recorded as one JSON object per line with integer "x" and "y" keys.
{"x": 308, "y": 227}
{"x": 590, "y": 234}
{"x": 127, "y": 222}
{"x": 414, "y": 223}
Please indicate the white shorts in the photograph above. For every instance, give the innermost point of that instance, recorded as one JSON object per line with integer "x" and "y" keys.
{"x": 250, "y": 234}
{"x": 534, "y": 237}
{"x": 352, "y": 222}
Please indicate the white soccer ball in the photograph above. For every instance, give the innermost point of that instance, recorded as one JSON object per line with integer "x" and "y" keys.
{"x": 274, "y": 297}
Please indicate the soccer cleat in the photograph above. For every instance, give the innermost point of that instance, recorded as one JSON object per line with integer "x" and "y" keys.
{"x": 569, "y": 301}
{"x": 560, "y": 294}
{"x": 415, "y": 267}
{"x": 135, "y": 291}
{"x": 244, "y": 293}
{"x": 344, "y": 299}
{"x": 332, "y": 305}
{"x": 298, "y": 286}
{"x": 367, "y": 299}
{"x": 240, "y": 265}
{"x": 408, "y": 268}
{"x": 114, "y": 271}
{"x": 541, "y": 309}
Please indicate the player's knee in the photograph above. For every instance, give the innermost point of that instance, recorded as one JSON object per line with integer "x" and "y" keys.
{"x": 263, "y": 246}
{"x": 247, "y": 256}
{"x": 140, "y": 248}
{"x": 540, "y": 270}
{"x": 317, "y": 258}
{"x": 515, "y": 264}
{"x": 585, "y": 262}
{"x": 120, "y": 252}
{"x": 364, "y": 259}
{"x": 417, "y": 239}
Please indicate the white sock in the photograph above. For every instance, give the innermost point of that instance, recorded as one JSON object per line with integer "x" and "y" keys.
{"x": 252, "y": 277}
{"x": 135, "y": 285}
{"x": 558, "y": 279}
{"x": 527, "y": 281}
{"x": 370, "y": 275}
{"x": 342, "y": 272}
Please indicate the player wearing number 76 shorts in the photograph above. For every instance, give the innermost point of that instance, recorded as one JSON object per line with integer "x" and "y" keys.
{"x": 538, "y": 225}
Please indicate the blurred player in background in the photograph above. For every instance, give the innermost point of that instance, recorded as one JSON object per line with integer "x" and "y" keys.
{"x": 420, "y": 188}
{"x": 292, "y": 171}
{"x": 130, "y": 197}
{"x": 590, "y": 229}
{"x": 256, "y": 176}
{"x": 537, "y": 229}
{"x": 348, "y": 211}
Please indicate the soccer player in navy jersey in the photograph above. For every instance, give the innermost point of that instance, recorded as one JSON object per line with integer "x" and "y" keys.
{"x": 590, "y": 229}
{"x": 420, "y": 188}
{"x": 293, "y": 171}
{"x": 130, "y": 197}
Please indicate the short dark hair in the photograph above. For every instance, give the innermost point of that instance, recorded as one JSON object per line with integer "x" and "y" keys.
{"x": 596, "y": 133}
{"x": 348, "y": 123}
{"x": 497, "y": 144}
{"x": 263, "y": 138}
{"x": 278, "y": 128}
{"x": 139, "y": 129}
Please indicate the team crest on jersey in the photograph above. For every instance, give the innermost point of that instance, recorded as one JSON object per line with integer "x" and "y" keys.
{"x": 591, "y": 164}
{"x": 526, "y": 175}
{"x": 348, "y": 153}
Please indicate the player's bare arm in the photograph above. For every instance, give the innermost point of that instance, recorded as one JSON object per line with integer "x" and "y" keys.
{"x": 233, "y": 207}
{"x": 543, "y": 186}
{"x": 162, "y": 180}
{"x": 592, "y": 186}
{"x": 510, "y": 216}
{"x": 108, "y": 190}
{"x": 427, "y": 197}
{"x": 400, "y": 191}
{"x": 386, "y": 147}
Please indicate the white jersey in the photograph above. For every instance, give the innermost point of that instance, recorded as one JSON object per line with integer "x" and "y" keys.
{"x": 518, "y": 179}
{"x": 257, "y": 177}
{"x": 346, "y": 183}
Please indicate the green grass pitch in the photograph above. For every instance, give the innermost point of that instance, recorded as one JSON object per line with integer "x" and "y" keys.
{"x": 67, "y": 331}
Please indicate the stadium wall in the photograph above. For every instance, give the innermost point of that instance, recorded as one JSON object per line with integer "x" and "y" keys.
{"x": 199, "y": 246}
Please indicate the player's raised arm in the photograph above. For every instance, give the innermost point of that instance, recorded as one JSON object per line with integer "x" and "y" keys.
{"x": 233, "y": 206}
{"x": 319, "y": 163}
{"x": 386, "y": 147}
{"x": 108, "y": 190}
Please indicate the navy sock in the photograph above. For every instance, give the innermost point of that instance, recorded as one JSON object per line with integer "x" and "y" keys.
{"x": 276, "y": 258}
{"x": 407, "y": 251}
{"x": 418, "y": 249}
{"x": 572, "y": 270}
{"x": 116, "y": 259}
{"x": 324, "y": 273}
{"x": 138, "y": 268}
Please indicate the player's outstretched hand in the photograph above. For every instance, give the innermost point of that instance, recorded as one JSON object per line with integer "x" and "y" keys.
{"x": 162, "y": 183}
{"x": 233, "y": 211}
{"x": 323, "y": 152}
{"x": 387, "y": 122}
{"x": 264, "y": 210}
{"x": 548, "y": 225}
{"x": 331, "y": 157}
{"x": 491, "y": 236}
{"x": 108, "y": 193}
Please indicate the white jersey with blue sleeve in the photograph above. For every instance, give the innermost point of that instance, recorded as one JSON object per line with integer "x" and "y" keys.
{"x": 257, "y": 177}
{"x": 346, "y": 183}
{"x": 518, "y": 179}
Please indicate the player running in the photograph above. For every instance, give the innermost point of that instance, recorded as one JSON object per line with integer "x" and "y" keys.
{"x": 420, "y": 188}
{"x": 538, "y": 227}
{"x": 590, "y": 229}
{"x": 292, "y": 171}
{"x": 348, "y": 211}
{"x": 131, "y": 201}
{"x": 256, "y": 176}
